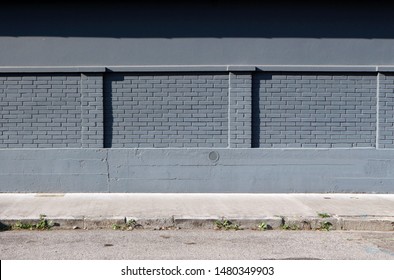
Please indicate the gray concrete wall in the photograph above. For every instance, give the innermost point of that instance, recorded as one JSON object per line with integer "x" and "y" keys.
{"x": 197, "y": 170}
{"x": 53, "y": 170}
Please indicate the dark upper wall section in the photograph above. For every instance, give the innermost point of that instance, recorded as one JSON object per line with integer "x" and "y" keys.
{"x": 189, "y": 19}
{"x": 195, "y": 32}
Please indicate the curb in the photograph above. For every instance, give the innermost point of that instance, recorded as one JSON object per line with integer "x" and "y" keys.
{"x": 367, "y": 223}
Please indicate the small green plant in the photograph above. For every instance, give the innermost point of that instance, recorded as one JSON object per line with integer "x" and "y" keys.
{"x": 326, "y": 226}
{"x": 324, "y": 215}
{"x": 43, "y": 224}
{"x": 116, "y": 227}
{"x": 130, "y": 225}
{"x": 20, "y": 225}
{"x": 263, "y": 226}
{"x": 290, "y": 227}
{"x": 226, "y": 225}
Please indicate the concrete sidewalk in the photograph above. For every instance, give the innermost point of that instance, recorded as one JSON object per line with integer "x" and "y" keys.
{"x": 158, "y": 211}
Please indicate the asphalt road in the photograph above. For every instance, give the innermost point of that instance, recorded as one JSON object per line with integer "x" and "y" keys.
{"x": 195, "y": 244}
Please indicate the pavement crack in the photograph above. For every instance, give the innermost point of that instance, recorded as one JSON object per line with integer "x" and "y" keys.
{"x": 108, "y": 176}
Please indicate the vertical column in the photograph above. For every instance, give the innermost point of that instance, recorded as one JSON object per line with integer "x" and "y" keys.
{"x": 92, "y": 110}
{"x": 386, "y": 111}
{"x": 240, "y": 110}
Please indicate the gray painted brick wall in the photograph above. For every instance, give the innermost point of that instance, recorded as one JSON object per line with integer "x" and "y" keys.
{"x": 40, "y": 111}
{"x": 92, "y": 111}
{"x": 166, "y": 110}
{"x": 240, "y": 110}
{"x": 199, "y": 109}
{"x": 386, "y": 110}
{"x": 316, "y": 110}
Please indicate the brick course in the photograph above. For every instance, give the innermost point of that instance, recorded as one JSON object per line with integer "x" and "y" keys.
{"x": 240, "y": 110}
{"x": 92, "y": 111}
{"x": 40, "y": 111}
{"x": 316, "y": 110}
{"x": 199, "y": 109}
{"x": 386, "y": 111}
{"x": 166, "y": 110}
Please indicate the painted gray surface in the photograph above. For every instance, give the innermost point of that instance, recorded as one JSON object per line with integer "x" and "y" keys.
{"x": 240, "y": 92}
{"x": 40, "y": 111}
{"x": 196, "y": 109}
{"x": 312, "y": 110}
{"x": 166, "y": 110}
{"x": 386, "y": 110}
{"x": 195, "y": 33}
{"x": 192, "y": 170}
{"x": 92, "y": 110}
{"x": 53, "y": 170}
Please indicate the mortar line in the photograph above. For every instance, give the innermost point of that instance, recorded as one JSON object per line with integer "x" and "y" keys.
{"x": 229, "y": 111}
{"x": 82, "y": 113}
{"x": 377, "y": 109}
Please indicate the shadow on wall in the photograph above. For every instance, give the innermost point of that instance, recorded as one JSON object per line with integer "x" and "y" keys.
{"x": 256, "y": 123}
{"x": 174, "y": 19}
{"x": 108, "y": 109}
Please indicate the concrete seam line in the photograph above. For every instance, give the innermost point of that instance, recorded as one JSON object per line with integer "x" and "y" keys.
{"x": 377, "y": 109}
{"x": 229, "y": 111}
{"x": 108, "y": 175}
{"x": 193, "y": 68}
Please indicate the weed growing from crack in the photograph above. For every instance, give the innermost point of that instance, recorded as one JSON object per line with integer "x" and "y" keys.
{"x": 325, "y": 226}
{"x": 226, "y": 225}
{"x": 290, "y": 227}
{"x": 263, "y": 226}
{"x": 43, "y": 224}
{"x": 130, "y": 225}
{"x": 324, "y": 215}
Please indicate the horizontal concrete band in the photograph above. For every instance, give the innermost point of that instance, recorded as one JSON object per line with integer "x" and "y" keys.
{"x": 262, "y": 223}
{"x": 197, "y": 170}
{"x": 197, "y": 68}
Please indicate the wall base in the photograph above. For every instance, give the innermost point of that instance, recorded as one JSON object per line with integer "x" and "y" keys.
{"x": 197, "y": 170}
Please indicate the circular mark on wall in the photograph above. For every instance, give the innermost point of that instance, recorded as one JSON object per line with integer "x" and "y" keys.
{"x": 213, "y": 156}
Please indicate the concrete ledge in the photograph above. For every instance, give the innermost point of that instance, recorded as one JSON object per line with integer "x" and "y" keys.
{"x": 311, "y": 223}
{"x": 385, "y": 68}
{"x": 197, "y": 68}
{"x": 368, "y": 223}
{"x": 253, "y": 223}
{"x": 315, "y": 68}
{"x": 52, "y": 69}
{"x": 273, "y": 223}
{"x": 373, "y": 212}
{"x": 195, "y": 222}
{"x": 103, "y": 222}
{"x": 67, "y": 222}
{"x": 241, "y": 68}
{"x": 168, "y": 68}
{"x": 153, "y": 223}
